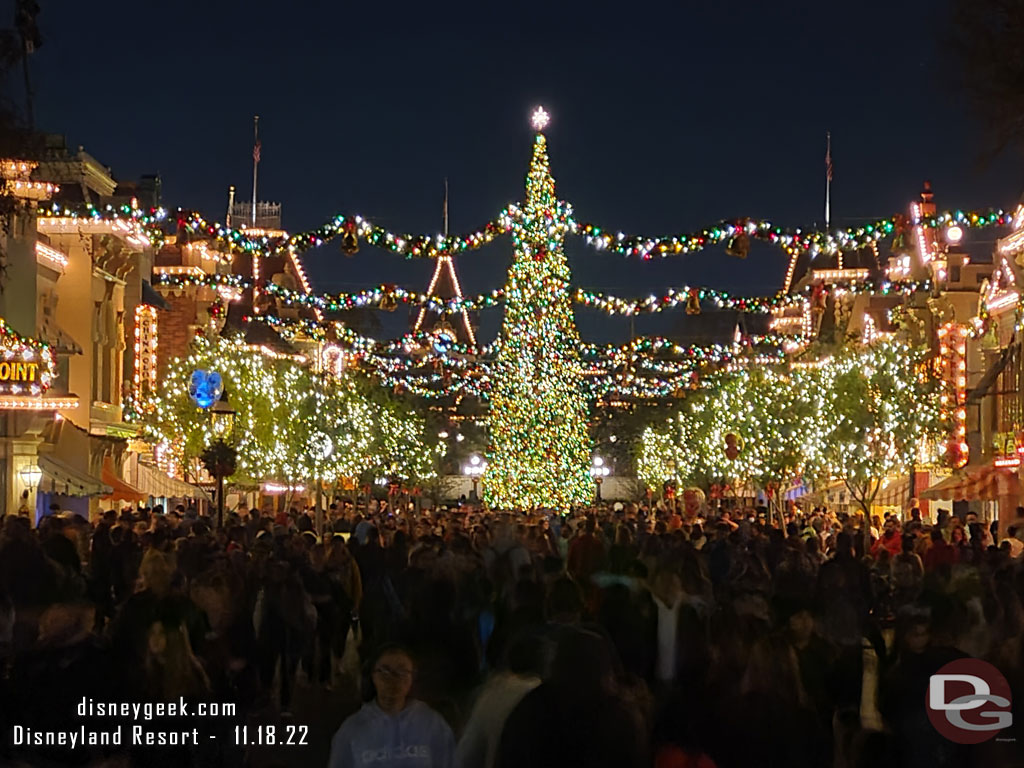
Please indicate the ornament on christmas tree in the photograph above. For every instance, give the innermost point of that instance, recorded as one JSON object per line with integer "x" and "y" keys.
{"x": 693, "y": 302}
{"x": 388, "y": 302}
{"x": 349, "y": 239}
{"x": 738, "y": 246}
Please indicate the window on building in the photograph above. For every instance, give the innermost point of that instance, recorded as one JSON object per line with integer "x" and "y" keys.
{"x": 1010, "y": 415}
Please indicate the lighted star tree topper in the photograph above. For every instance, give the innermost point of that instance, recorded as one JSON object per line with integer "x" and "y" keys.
{"x": 540, "y": 452}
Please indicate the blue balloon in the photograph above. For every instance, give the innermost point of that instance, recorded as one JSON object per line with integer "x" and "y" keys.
{"x": 205, "y": 388}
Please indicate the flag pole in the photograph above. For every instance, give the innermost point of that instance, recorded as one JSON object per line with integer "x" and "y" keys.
{"x": 445, "y": 213}
{"x": 828, "y": 179}
{"x": 255, "y": 163}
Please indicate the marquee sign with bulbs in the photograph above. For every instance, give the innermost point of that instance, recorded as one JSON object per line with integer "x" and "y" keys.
{"x": 27, "y": 366}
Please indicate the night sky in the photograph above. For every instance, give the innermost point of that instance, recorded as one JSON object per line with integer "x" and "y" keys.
{"x": 662, "y": 120}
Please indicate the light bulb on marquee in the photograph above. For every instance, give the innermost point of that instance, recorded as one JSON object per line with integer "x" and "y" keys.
{"x": 539, "y": 119}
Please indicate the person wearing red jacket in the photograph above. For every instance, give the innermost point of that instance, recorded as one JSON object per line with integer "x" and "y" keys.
{"x": 939, "y": 553}
{"x": 890, "y": 540}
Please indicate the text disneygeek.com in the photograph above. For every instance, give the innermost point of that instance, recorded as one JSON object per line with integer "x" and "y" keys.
{"x": 142, "y": 732}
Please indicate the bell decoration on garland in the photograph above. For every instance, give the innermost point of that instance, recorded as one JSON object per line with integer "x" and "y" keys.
{"x": 388, "y": 302}
{"x": 349, "y": 239}
{"x": 738, "y": 246}
{"x": 693, "y": 302}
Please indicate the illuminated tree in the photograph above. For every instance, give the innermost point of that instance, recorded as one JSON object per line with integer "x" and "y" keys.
{"x": 751, "y": 426}
{"x": 668, "y": 452}
{"x": 290, "y": 424}
{"x": 879, "y": 415}
{"x": 540, "y": 452}
{"x": 864, "y": 414}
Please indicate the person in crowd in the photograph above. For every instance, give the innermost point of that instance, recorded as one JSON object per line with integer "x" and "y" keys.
{"x": 520, "y": 673}
{"x": 645, "y": 643}
{"x": 940, "y": 554}
{"x": 577, "y": 716}
{"x": 393, "y": 729}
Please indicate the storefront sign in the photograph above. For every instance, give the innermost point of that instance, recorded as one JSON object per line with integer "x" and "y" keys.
{"x": 27, "y": 366}
{"x": 19, "y": 371}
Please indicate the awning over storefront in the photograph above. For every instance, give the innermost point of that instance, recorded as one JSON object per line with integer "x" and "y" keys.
{"x": 122, "y": 490}
{"x": 61, "y": 478}
{"x": 797, "y": 492}
{"x": 988, "y": 483}
{"x": 991, "y": 374}
{"x": 152, "y": 298}
{"x": 156, "y": 483}
{"x": 895, "y": 494}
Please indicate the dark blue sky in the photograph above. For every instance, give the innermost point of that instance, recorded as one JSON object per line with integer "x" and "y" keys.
{"x": 663, "y": 120}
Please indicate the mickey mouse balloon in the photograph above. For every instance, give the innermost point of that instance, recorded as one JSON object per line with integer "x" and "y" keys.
{"x": 205, "y": 388}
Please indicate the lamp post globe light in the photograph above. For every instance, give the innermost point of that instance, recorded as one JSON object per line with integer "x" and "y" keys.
{"x": 474, "y": 470}
{"x": 599, "y": 471}
{"x": 222, "y": 417}
{"x": 30, "y": 475}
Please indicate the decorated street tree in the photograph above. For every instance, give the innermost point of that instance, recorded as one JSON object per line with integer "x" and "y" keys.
{"x": 879, "y": 415}
{"x": 668, "y": 452}
{"x": 760, "y": 423}
{"x": 859, "y": 416}
{"x": 751, "y": 426}
{"x": 539, "y": 453}
{"x": 290, "y": 424}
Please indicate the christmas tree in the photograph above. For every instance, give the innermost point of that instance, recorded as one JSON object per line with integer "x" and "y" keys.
{"x": 540, "y": 453}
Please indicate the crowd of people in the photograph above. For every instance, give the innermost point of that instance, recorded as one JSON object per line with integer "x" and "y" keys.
{"x": 617, "y": 635}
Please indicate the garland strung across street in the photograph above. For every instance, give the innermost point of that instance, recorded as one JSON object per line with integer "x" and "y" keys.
{"x": 387, "y": 297}
{"x": 648, "y": 367}
{"x": 352, "y": 230}
{"x": 736, "y": 234}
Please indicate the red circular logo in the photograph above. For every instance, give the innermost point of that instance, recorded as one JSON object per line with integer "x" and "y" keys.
{"x": 968, "y": 701}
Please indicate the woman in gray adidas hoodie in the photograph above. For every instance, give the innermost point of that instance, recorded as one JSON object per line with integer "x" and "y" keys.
{"x": 392, "y": 730}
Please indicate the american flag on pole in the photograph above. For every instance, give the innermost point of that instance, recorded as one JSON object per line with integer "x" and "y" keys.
{"x": 256, "y": 151}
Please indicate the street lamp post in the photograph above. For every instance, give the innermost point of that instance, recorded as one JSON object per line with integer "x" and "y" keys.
{"x": 599, "y": 471}
{"x": 222, "y": 421}
{"x": 475, "y": 470}
{"x": 30, "y": 476}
